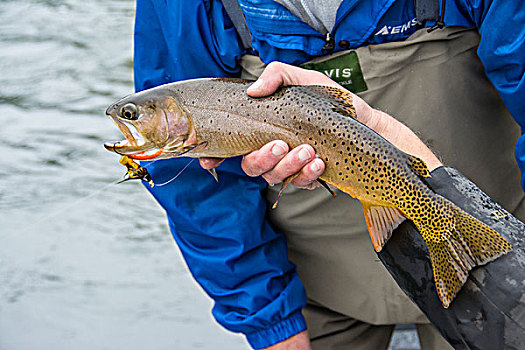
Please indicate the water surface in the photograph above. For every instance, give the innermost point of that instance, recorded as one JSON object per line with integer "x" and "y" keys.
{"x": 84, "y": 263}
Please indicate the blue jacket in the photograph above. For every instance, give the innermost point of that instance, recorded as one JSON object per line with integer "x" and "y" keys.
{"x": 221, "y": 229}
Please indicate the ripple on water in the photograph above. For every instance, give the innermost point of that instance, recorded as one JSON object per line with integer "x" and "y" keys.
{"x": 83, "y": 262}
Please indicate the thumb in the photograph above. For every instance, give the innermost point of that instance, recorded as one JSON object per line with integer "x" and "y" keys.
{"x": 273, "y": 76}
{"x": 258, "y": 89}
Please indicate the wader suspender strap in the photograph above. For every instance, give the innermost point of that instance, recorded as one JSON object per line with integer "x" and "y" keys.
{"x": 429, "y": 10}
{"x": 233, "y": 9}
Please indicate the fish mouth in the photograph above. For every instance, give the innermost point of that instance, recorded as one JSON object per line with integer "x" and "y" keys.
{"x": 134, "y": 145}
{"x": 123, "y": 148}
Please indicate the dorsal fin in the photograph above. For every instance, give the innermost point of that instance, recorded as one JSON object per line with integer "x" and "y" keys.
{"x": 418, "y": 165}
{"x": 342, "y": 100}
{"x": 381, "y": 222}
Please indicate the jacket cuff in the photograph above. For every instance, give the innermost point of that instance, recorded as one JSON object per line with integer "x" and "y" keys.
{"x": 278, "y": 332}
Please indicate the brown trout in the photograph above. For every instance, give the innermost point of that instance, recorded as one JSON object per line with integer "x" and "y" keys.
{"x": 216, "y": 118}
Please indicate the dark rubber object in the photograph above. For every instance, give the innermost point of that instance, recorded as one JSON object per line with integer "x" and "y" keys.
{"x": 489, "y": 311}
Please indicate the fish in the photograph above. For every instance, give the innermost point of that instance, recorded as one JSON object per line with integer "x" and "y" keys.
{"x": 489, "y": 311}
{"x": 214, "y": 117}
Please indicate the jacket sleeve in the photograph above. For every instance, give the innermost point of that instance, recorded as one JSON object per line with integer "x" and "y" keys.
{"x": 220, "y": 228}
{"x": 501, "y": 24}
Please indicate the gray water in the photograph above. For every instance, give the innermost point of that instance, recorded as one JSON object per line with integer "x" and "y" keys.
{"x": 84, "y": 263}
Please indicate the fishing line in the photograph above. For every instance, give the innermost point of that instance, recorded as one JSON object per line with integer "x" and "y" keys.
{"x": 64, "y": 208}
{"x": 178, "y": 174}
{"x": 59, "y": 211}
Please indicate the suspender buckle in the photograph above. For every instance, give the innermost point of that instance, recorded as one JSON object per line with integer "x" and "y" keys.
{"x": 329, "y": 45}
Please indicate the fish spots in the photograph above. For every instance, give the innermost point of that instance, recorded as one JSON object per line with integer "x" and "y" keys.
{"x": 358, "y": 159}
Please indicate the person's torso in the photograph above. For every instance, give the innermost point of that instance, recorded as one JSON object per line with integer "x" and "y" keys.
{"x": 279, "y": 35}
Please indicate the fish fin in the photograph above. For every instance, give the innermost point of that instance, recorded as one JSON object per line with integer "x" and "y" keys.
{"x": 181, "y": 149}
{"x": 465, "y": 243}
{"x": 418, "y": 165}
{"x": 381, "y": 222}
{"x": 325, "y": 185}
{"x": 213, "y": 173}
{"x": 290, "y": 178}
{"x": 283, "y": 186}
{"x": 342, "y": 100}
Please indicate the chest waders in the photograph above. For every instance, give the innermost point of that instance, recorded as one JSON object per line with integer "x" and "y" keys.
{"x": 435, "y": 84}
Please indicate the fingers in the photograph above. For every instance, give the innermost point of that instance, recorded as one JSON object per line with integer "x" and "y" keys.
{"x": 273, "y": 76}
{"x": 263, "y": 160}
{"x": 309, "y": 174}
{"x": 275, "y": 164}
{"x": 277, "y": 74}
{"x": 299, "y": 160}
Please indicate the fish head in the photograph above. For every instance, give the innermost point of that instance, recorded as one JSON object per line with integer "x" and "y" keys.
{"x": 153, "y": 124}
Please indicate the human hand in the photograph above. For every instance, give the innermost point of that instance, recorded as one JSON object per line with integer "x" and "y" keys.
{"x": 277, "y": 74}
{"x": 275, "y": 161}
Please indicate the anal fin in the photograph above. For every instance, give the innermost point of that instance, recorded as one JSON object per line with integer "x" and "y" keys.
{"x": 381, "y": 222}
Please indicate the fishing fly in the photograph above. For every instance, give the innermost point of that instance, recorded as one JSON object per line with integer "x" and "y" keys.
{"x": 135, "y": 171}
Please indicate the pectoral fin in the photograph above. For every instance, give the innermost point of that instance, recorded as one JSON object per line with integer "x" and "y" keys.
{"x": 283, "y": 186}
{"x": 213, "y": 173}
{"x": 290, "y": 178}
{"x": 381, "y": 222}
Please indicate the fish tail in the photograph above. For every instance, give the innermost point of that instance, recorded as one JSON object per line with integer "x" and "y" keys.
{"x": 457, "y": 242}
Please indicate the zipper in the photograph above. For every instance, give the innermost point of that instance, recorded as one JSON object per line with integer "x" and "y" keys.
{"x": 344, "y": 9}
{"x": 329, "y": 41}
{"x": 329, "y": 45}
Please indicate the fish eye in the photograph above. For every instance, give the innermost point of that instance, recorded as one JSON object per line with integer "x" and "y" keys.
{"x": 129, "y": 111}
